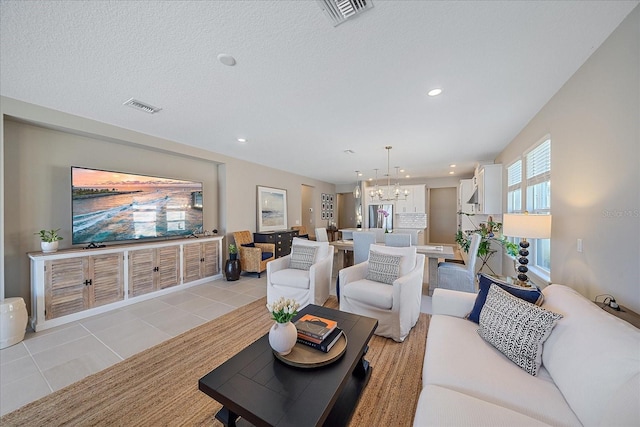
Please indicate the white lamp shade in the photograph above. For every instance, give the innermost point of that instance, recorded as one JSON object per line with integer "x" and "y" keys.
{"x": 528, "y": 226}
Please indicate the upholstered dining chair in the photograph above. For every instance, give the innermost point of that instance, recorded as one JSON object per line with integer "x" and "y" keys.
{"x": 303, "y": 275}
{"x": 397, "y": 240}
{"x": 253, "y": 256}
{"x": 321, "y": 235}
{"x": 379, "y": 234}
{"x": 413, "y": 233}
{"x": 460, "y": 277}
{"x": 362, "y": 240}
{"x": 388, "y": 287}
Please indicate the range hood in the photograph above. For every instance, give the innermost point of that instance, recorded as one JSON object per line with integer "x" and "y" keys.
{"x": 473, "y": 200}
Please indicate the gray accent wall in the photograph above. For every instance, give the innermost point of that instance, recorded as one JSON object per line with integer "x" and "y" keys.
{"x": 594, "y": 123}
{"x": 39, "y": 146}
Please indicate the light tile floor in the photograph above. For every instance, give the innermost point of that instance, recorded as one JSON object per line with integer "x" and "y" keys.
{"x": 49, "y": 360}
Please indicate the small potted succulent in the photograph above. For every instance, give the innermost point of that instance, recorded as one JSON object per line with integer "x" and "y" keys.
{"x": 49, "y": 240}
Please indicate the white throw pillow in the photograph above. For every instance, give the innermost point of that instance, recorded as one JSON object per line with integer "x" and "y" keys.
{"x": 302, "y": 257}
{"x": 516, "y": 328}
{"x": 408, "y": 254}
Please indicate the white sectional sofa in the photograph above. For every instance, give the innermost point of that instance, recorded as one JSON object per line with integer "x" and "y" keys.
{"x": 590, "y": 372}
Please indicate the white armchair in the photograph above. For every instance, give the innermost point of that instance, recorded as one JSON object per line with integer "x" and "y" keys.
{"x": 394, "y": 302}
{"x": 302, "y": 275}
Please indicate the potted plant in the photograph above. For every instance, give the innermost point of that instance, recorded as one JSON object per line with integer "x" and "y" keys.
{"x": 49, "y": 240}
{"x": 233, "y": 251}
{"x": 489, "y": 232}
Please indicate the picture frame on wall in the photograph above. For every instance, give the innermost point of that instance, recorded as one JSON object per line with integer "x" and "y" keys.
{"x": 271, "y": 209}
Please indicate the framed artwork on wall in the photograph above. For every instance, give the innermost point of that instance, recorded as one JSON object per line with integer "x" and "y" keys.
{"x": 272, "y": 209}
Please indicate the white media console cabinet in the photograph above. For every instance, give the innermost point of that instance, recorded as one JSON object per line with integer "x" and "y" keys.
{"x": 72, "y": 284}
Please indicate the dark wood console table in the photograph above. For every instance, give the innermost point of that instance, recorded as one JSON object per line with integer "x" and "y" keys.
{"x": 265, "y": 391}
{"x": 282, "y": 240}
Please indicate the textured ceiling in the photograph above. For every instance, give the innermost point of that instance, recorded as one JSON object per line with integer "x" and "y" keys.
{"x": 303, "y": 91}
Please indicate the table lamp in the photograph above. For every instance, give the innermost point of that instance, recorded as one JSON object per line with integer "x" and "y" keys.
{"x": 525, "y": 226}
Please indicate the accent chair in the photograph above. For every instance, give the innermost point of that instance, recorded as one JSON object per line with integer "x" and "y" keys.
{"x": 304, "y": 274}
{"x": 388, "y": 287}
{"x": 254, "y": 257}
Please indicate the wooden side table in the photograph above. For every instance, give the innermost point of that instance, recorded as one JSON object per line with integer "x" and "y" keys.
{"x": 624, "y": 314}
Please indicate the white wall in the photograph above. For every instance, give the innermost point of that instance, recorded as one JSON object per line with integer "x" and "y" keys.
{"x": 39, "y": 145}
{"x": 593, "y": 121}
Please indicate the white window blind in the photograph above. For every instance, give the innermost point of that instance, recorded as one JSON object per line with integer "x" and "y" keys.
{"x": 514, "y": 186}
{"x": 539, "y": 163}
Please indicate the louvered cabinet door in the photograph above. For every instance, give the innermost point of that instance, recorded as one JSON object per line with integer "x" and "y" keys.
{"x": 191, "y": 262}
{"x": 141, "y": 272}
{"x": 66, "y": 291}
{"x": 211, "y": 264}
{"x": 168, "y": 266}
{"x": 107, "y": 279}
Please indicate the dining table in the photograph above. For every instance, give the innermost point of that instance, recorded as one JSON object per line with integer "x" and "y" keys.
{"x": 432, "y": 252}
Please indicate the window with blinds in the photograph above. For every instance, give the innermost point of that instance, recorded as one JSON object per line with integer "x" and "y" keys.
{"x": 529, "y": 188}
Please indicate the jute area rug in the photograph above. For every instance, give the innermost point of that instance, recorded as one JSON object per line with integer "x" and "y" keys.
{"x": 159, "y": 386}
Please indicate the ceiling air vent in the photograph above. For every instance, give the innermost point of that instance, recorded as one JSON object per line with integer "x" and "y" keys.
{"x": 339, "y": 11}
{"x": 134, "y": 103}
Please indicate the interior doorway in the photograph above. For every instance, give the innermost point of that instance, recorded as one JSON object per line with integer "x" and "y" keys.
{"x": 307, "y": 209}
{"x": 346, "y": 210}
{"x": 442, "y": 215}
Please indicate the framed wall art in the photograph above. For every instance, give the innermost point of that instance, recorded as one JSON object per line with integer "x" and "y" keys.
{"x": 272, "y": 209}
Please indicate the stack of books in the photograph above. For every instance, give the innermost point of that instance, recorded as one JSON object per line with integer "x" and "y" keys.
{"x": 318, "y": 332}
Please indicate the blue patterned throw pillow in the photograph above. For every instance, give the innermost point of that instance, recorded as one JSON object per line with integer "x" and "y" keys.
{"x": 516, "y": 328}
{"x": 383, "y": 268}
{"x": 531, "y": 294}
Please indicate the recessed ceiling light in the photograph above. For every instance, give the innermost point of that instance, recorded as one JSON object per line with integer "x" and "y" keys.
{"x": 359, "y": 173}
{"x": 451, "y": 172}
{"x": 452, "y": 166}
{"x": 434, "y": 92}
{"x": 407, "y": 176}
{"x": 227, "y": 59}
{"x": 242, "y": 140}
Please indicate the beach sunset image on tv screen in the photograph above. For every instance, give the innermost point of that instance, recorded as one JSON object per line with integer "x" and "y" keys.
{"x": 109, "y": 206}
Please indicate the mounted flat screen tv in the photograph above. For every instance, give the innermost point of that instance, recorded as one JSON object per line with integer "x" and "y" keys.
{"x": 112, "y": 206}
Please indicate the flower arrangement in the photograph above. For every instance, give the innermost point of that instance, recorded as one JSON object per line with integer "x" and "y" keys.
{"x": 383, "y": 212}
{"x": 283, "y": 310}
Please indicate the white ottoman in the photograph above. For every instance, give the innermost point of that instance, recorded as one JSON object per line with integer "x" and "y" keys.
{"x": 13, "y": 321}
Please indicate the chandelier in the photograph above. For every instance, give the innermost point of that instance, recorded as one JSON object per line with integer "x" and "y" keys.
{"x": 356, "y": 190}
{"x": 392, "y": 193}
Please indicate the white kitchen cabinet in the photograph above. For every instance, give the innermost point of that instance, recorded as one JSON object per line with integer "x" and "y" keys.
{"x": 489, "y": 187}
{"x": 415, "y": 202}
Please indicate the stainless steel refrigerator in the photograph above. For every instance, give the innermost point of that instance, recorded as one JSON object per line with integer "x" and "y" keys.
{"x": 377, "y": 218}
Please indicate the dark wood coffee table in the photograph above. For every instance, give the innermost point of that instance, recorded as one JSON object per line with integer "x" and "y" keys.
{"x": 265, "y": 391}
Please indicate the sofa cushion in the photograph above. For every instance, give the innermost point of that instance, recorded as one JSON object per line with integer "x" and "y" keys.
{"x": 516, "y": 328}
{"x": 440, "y": 406}
{"x": 532, "y": 294}
{"x": 302, "y": 257}
{"x": 266, "y": 255}
{"x": 594, "y": 359}
{"x": 408, "y": 253}
{"x": 383, "y": 268}
{"x": 458, "y": 359}
{"x": 249, "y": 245}
{"x": 374, "y": 294}
{"x": 292, "y": 278}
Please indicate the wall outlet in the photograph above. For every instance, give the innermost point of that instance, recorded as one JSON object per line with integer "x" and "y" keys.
{"x": 579, "y": 245}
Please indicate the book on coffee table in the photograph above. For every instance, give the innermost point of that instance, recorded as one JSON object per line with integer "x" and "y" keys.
{"x": 315, "y": 328}
{"x": 326, "y": 344}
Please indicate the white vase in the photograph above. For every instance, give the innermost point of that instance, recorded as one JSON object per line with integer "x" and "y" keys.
{"x": 282, "y": 337}
{"x": 49, "y": 246}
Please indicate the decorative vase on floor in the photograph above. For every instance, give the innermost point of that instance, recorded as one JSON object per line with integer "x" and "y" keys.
{"x": 282, "y": 337}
